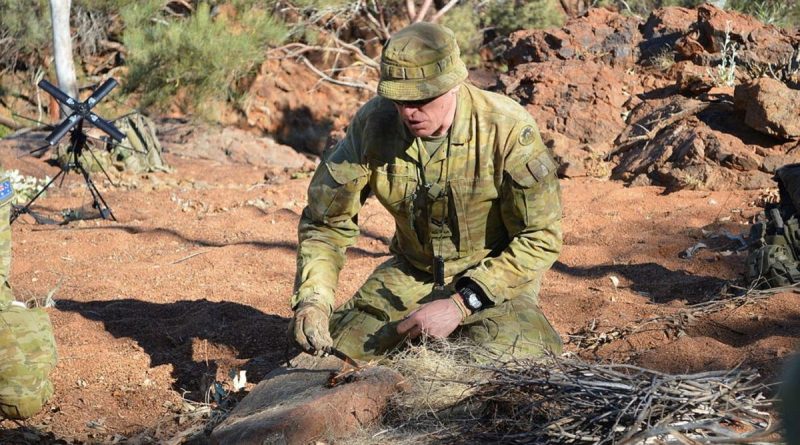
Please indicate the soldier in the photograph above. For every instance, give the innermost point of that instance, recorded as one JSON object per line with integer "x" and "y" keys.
{"x": 27, "y": 346}
{"x": 476, "y": 203}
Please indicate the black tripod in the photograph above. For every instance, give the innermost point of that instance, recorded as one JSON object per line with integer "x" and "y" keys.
{"x": 77, "y": 144}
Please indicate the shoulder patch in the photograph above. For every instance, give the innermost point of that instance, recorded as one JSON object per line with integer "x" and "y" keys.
{"x": 6, "y": 191}
{"x": 526, "y": 136}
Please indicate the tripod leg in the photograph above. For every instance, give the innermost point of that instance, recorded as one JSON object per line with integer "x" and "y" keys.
{"x": 98, "y": 202}
{"x": 101, "y": 167}
{"x": 16, "y": 212}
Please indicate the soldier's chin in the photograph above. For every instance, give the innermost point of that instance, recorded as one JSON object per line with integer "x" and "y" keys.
{"x": 420, "y": 130}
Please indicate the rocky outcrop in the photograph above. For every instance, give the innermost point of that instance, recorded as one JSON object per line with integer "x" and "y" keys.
{"x": 600, "y": 34}
{"x": 582, "y": 100}
{"x": 770, "y": 107}
{"x": 663, "y": 117}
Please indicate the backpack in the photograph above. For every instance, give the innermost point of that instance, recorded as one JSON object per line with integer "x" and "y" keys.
{"x": 774, "y": 242}
{"x": 139, "y": 152}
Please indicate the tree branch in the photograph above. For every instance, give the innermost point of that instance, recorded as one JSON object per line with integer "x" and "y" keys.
{"x": 423, "y": 11}
{"x": 443, "y": 11}
{"x": 330, "y": 79}
{"x": 411, "y": 9}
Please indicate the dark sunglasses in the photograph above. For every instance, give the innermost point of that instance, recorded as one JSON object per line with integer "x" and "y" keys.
{"x": 414, "y": 103}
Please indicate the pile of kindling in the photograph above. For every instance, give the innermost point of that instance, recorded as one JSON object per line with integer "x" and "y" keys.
{"x": 569, "y": 401}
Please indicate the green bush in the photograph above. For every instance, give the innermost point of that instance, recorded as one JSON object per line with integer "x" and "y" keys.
{"x": 507, "y": 16}
{"x": 205, "y": 57}
{"x": 467, "y": 28}
{"x": 25, "y": 34}
{"x": 784, "y": 13}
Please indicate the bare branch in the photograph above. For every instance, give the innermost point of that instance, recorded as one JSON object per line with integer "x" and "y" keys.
{"x": 330, "y": 79}
{"x": 423, "y": 11}
{"x": 443, "y": 11}
{"x": 411, "y": 9}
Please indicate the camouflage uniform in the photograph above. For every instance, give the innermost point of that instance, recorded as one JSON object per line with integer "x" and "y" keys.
{"x": 27, "y": 346}
{"x": 491, "y": 209}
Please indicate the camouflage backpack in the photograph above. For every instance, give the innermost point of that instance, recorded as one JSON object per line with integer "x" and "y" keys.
{"x": 774, "y": 259}
{"x": 139, "y": 152}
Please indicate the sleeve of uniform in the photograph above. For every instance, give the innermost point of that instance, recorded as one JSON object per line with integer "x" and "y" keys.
{"x": 329, "y": 222}
{"x": 531, "y": 210}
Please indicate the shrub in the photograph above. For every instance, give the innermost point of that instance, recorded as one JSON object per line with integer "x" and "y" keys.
{"x": 507, "y": 16}
{"x": 25, "y": 34}
{"x": 204, "y": 56}
{"x": 466, "y": 26}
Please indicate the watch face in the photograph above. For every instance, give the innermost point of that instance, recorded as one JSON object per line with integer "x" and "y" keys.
{"x": 474, "y": 302}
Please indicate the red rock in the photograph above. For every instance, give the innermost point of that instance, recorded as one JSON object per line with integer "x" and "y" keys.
{"x": 599, "y": 34}
{"x": 581, "y": 100}
{"x": 664, "y": 28}
{"x": 770, "y": 107}
{"x": 757, "y": 43}
{"x": 296, "y": 407}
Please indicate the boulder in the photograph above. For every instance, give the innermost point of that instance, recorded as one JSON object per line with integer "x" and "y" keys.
{"x": 227, "y": 144}
{"x": 599, "y": 34}
{"x": 581, "y": 100}
{"x": 664, "y": 28}
{"x": 770, "y": 107}
{"x": 299, "y": 405}
{"x": 702, "y": 150}
{"x": 758, "y": 44}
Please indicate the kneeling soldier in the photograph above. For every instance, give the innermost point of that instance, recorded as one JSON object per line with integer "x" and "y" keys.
{"x": 476, "y": 203}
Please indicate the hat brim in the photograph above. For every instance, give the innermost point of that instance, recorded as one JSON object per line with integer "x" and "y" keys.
{"x": 421, "y": 89}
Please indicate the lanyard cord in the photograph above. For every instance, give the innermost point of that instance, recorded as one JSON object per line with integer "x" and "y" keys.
{"x": 438, "y": 260}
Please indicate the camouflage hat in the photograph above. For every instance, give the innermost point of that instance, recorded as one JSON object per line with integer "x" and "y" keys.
{"x": 419, "y": 62}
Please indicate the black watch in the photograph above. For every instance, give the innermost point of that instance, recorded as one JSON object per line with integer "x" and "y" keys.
{"x": 471, "y": 299}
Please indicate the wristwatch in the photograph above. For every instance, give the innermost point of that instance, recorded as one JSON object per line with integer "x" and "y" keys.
{"x": 471, "y": 299}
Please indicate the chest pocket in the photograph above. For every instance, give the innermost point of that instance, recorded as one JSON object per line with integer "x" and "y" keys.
{"x": 472, "y": 204}
{"x": 393, "y": 185}
{"x": 335, "y": 191}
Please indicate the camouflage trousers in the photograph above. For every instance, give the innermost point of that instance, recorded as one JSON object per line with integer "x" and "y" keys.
{"x": 365, "y": 327}
{"x": 27, "y": 346}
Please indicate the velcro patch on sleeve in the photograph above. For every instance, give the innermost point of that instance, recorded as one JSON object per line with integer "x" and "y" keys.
{"x": 6, "y": 191}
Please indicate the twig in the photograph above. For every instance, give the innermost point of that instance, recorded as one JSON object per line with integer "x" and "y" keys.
{"x": 325, "y": 77}
{"x": 423, "y": 11}
{"x": 443, "y": 11}
{"x": 189, "y": 256}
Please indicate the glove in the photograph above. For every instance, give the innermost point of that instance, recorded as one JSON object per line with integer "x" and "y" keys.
{"x": 309, "y": 328}
{"x": 437, "y": 319}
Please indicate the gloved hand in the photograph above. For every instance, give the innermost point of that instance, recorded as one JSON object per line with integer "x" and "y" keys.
{"x": 437, "y": 319}
{"x": 309, "y": 328}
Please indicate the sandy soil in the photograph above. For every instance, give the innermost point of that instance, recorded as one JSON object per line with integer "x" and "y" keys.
{"x": 193, "y": 282}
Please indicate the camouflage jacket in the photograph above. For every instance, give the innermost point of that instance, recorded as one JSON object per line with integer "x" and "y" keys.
{"x": 492, "y": 211}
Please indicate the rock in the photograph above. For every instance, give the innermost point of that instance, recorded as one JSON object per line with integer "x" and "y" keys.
{"x": 758, "y": 44}
{"x": 770, "y": 107}
{"x": 664, "y": 28}
{"x": 692, "y": 79}
{"x": 227, "y": 144}
{"x": 297, "y": 406}
{"x": 701, "y": 151}
{"x": 600, "y": 34}
{"x": 581, "y": 100}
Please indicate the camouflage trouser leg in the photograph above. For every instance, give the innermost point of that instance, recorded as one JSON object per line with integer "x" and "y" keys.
{"x": 365, "y": 327}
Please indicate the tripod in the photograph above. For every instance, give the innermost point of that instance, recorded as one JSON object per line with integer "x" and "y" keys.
{"x": 74, "y": 122}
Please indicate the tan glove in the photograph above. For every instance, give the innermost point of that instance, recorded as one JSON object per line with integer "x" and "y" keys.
{"x": 309, "y": 328}
{"x": 437, "y": 319}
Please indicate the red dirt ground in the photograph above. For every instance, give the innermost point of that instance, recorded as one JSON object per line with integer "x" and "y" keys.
{"x": 192, "y": 282}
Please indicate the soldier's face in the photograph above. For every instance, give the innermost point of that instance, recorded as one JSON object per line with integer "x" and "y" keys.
{"x": 432, "y": 117}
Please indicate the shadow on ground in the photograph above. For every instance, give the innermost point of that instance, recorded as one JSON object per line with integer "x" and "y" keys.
{"x": 657, "y": 282}
{"x": 168, "y": 333}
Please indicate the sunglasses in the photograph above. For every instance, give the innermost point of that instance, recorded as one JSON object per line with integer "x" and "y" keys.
{"x": 414, "y": 103}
